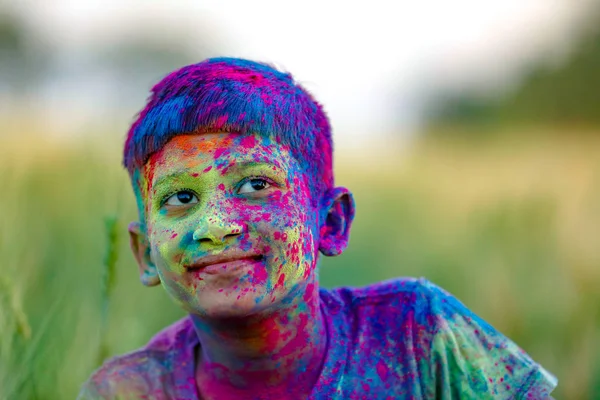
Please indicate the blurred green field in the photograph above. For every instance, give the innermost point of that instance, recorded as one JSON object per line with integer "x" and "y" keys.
{"x": 509, "y": 224}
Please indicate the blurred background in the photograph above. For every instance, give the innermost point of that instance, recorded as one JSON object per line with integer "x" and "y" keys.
{"x": 469, "y": 132}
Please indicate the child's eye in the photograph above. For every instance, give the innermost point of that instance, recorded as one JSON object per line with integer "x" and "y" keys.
{"x": 185, "y": 197}
{"x": 254, "y": 185}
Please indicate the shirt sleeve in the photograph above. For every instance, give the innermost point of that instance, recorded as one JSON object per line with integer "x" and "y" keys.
{"x": 472, "y": 360}
{"x": 106, "y": 391}
{"x": 88, "y": 392}
{"x": 133, "y": 376}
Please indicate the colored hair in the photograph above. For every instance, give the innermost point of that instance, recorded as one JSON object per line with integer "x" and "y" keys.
{"x": 234, "y": 95}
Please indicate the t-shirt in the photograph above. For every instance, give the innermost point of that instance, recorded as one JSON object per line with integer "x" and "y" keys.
{"x": 404, "y": 338}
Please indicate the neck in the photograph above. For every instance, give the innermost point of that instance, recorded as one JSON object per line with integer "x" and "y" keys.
{"x": 273, "y": 352}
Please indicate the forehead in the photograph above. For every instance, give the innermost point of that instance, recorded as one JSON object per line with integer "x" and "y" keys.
{"x": 216, "y": 150}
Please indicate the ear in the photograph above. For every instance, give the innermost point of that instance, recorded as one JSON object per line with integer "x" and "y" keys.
{"x": 338, "y": 213}
{"x": 138, "y": 240}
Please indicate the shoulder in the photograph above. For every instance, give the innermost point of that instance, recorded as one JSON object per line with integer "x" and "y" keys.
{"x": 142, "y": 372}
{"x": 387, "y": 318}
{"x": 417, "y": 299}
{"x": 398, "y": 295}
{"x": 456, "y": 351}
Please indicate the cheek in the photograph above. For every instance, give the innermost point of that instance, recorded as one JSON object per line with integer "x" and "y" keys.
{"x": 289, "y": 231}
{"x": 294, "y": 256}
{"x": 168, "y": 243}
{"x": 281, "y": 219}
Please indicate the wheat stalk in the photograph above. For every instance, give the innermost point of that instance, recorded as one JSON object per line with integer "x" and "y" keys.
{"x": 108, "y": 281}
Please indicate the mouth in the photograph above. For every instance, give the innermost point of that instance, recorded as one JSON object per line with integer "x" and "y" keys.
{"x": 223, "y": 263}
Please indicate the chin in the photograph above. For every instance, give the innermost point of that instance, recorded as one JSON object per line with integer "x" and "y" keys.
{"x": 229, "y": 304}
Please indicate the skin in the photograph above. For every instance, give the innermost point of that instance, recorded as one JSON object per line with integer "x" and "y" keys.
{"x": 231, "y": 230}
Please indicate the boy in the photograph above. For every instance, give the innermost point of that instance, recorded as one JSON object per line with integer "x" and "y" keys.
{"x": 231, "y": 165}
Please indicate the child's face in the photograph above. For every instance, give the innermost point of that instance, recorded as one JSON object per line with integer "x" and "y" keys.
{"x": 230, "y": 222}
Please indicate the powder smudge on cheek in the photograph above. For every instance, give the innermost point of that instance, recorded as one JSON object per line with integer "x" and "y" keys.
{"x": 259, "y": 276}
{"x": 279, "y": 284}
{"x": 292, "y": 238}
{"x": 277, "y": 235}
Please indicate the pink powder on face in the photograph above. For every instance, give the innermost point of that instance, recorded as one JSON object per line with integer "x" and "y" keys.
{"x": 280, "y": 281}
{"x": 260, "y": 276}
{"x": 219, "y": 152}
{"x": 266, "y": 217}
{"x": 248, "y": 142}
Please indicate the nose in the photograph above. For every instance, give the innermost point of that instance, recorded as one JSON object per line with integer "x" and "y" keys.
{"x": 216, "y": 232}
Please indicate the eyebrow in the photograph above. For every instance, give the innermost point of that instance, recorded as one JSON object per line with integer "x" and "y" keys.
{"x": 243, "y": 165}
{"x": 165, "y": 178}
{"x": 235, "y": 167}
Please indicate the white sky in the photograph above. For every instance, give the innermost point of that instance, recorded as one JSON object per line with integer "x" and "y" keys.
{"x": 369, "y": 62}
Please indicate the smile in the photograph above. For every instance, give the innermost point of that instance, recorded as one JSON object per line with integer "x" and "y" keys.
{"x": 224, "y": 263}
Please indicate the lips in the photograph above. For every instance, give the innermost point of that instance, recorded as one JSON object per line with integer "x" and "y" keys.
{"x": 222, "y": 260}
